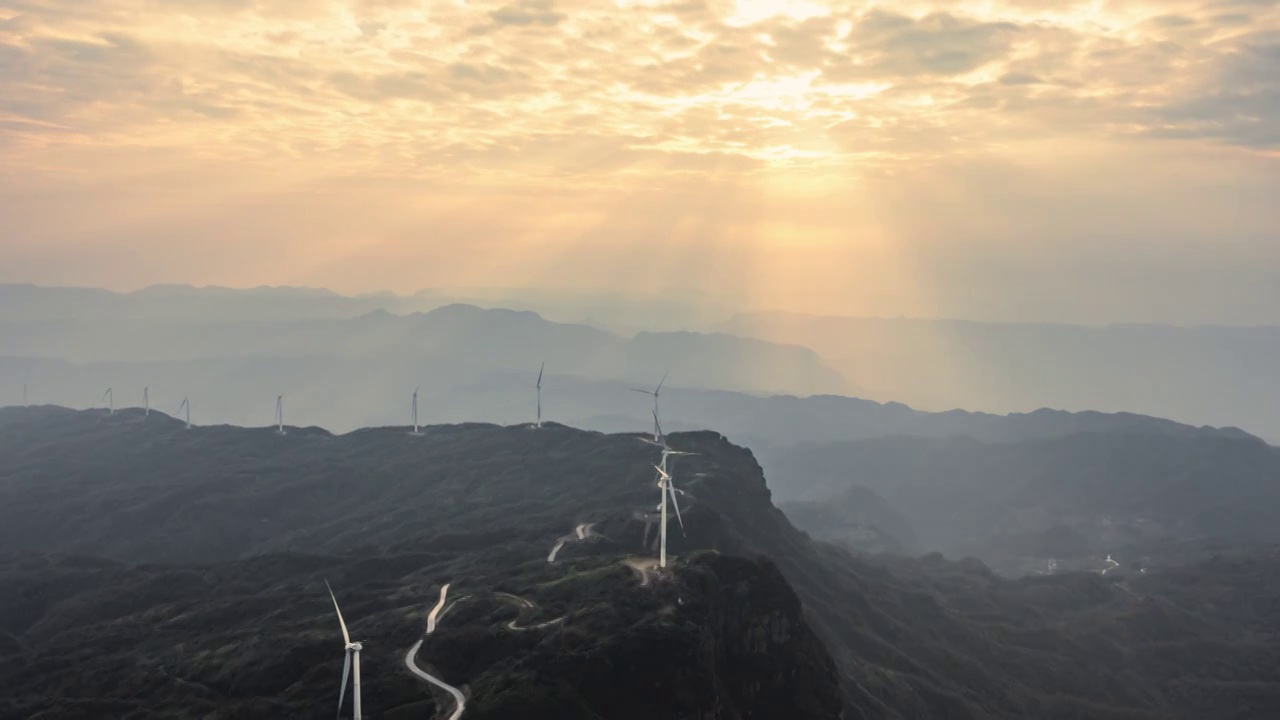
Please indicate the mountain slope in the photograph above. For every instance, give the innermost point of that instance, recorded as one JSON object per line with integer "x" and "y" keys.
{"x": 390, "y": 517}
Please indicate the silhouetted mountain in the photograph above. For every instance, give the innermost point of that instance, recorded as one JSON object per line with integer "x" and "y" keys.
{"x": 1075, "y": 499}
{"x": 1212, "y": 375}
{"x": 31, "y": 303}
{"x": 248, "y": 522}
{"x": 444, "y": 347}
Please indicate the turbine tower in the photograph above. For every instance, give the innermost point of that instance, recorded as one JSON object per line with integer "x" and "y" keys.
{"x": 280, "y": 414}
{"x": 662, "y": 527}
{"x": 544, "y": 367}
{"x": 415, "y": 411}
{"x": 111, "y": 401}
{"x": 24, "y": 394}
{"x": 353, "y": 649}
{"x": 657, "y": 431}
{"x": 146, "y": 401}
{"x": 187, "y": 405}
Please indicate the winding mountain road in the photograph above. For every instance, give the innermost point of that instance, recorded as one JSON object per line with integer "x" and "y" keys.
{"x": 527, "y": 604}
{"x": 580, "y": 533}
{"x": 431, "y": 619}
{"x": 410, "y": 660}
{"x": 459, "y": 699}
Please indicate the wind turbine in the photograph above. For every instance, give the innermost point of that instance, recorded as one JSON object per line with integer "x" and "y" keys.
{"x": 280, "y": 414}
{"x": 186, "y": 404}
{"x": 146, "y": 401}
{"x": 664, "y": 478}
{"x": 671, "y": 487}
{"x": 544, "y": 367}
{"x": 353, "y": 649}
{"x": 24, "y": 393}
{"x": 667, "y": 452}
{"x": 657, "y": 431}
{"x": 111, "y": 401}
{"x": 415, "y": 411}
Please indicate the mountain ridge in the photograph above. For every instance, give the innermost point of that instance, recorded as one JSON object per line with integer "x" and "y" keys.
{"x": 481, "y": 504}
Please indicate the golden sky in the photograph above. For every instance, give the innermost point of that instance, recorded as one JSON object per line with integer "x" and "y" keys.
{"x": 1006, "y": 159}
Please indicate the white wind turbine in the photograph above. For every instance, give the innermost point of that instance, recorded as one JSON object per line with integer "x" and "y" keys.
{"x": 671, "y": 488}
{"x": 24, "y": 393}
{"x": 663, "y": 480}
{"x": 415, "y": 411}
{"x": 186, "y": 404}
{"x": 353, "y": 649}
{"x": 111, "y": 401}
{"x": 280, "y": 414}
{"x": 146, "y": 401}
{"x": 657, "y": 431}
{"x": 539, "y": 387}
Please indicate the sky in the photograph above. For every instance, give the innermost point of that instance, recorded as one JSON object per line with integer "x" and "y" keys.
{"x": 1026, "y": 160}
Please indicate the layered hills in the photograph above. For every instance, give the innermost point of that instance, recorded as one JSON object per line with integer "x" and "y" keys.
{"x": 150, "y": 566}
{"x": 1147, "y": 498}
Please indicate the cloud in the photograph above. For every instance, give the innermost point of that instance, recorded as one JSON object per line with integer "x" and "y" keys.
{"x": 1238, "y": 104}
{"x": 498, "y": 100}
{"x": 526, "y": 13}
{"x": 887, "y": 44}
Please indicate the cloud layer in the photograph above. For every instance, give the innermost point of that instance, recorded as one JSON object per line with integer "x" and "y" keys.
{"x": 573, "y": 134}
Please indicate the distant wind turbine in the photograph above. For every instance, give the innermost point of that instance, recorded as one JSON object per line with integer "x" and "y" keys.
{"x": 415, "y": 411}
{"x": 24, "y": 393}
{"x": 539, "y": 386}
{"x": 146, "y": 401}
{"x": 187, "y": 405}
{"x": 657, "y": 431}
{"x": 353, "y": 649}
{"x": 280, "y": 414}
{"x": 111, "y": 401}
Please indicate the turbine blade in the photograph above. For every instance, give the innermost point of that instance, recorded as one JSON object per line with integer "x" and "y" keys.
{"x": 671, "y": 489}
{"x": 345, "y": 636}
{"x": 646, "y": 392}
{"x": 658, "y": 424}
{"x": 664, "y": 382}
{"x": 342, "y": 694}
{"x": 544, "y": 367}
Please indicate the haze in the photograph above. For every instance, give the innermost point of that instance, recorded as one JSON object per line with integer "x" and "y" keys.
{"x": 1013, "y": 160}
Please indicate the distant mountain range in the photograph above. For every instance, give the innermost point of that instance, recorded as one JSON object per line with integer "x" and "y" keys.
{"x": 1206, "y": 375}
{"x": 1211, "y": 375}
{"x": 1076, "y": 499}
{"x": 31, "y": 303}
